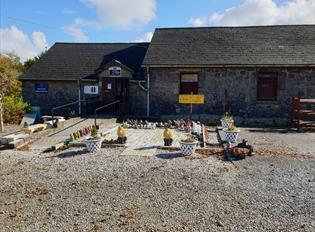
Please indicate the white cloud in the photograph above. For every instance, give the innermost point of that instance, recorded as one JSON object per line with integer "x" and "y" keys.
{"x": 122, "y": 13}
{"x": 261, "y": 12}
{"x": 199, "y": 21}
{"x": 145, "y": 38}
{"x": 15, "y": 40}
{"x": 39, "y": 40}
{"x": 76, "y": 31}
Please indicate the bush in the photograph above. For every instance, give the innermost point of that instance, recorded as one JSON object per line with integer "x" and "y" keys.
{"x": 14, "y": 109}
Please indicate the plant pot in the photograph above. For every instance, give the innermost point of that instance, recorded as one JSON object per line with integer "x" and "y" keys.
{"x": 93, "y": 145}
{"x": 226, "y": 124}
{"x": 231, "y": 136}
{"x": 188, "y": 148}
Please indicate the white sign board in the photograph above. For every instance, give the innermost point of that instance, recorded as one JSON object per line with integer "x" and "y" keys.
{"x": 88, "y": 89}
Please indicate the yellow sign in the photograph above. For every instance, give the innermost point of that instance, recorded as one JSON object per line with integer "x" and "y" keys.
{"x": 191, "y": 99}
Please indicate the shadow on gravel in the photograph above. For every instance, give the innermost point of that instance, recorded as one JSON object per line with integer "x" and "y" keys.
{"x": 69, "y": 154}
{"x": 273, "y": 130}
{"x": 146, "y": 148}
{"x": 170, "y": 155}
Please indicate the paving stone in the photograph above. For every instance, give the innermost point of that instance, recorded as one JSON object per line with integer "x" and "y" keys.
{"x": 144, "y": 142}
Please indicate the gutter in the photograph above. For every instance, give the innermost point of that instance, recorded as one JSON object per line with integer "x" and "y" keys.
{"x": 79, "y": 95}
{"x": 34, "y": 79}
{"x": 231, "y": 66}
{"x": 148, "y": 91}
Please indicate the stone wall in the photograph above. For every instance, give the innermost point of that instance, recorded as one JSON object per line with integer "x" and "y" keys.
{"x": 59, "y": 93}
{"x": 137, "y": 99}
{"x": 237, "y": 86}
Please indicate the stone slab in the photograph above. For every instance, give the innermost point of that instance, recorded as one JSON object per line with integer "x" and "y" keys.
{"x": 16, "y": 143}
{"x": 10, "y": 138}
{"x": 29, "y": 118}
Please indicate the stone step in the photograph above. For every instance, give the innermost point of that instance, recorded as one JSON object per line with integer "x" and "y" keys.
{"x": 10, "y": 138}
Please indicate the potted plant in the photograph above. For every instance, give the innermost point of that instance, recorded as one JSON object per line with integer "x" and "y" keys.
{"x": 94, "y": 143}
{"x": 227, "y": 120}
{"x": 231, "y": 133}
{"x": 188, "y": 145}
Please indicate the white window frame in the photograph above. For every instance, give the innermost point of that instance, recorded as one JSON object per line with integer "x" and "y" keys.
{"x": 114, "y": 69}
{"x": 91, "y": 89}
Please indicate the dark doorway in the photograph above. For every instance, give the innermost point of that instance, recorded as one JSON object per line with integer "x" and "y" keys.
{"x": 114, "y": 89}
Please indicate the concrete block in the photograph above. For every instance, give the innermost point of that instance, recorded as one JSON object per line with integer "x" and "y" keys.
{"x": 16, "y": 143}
{"x": 10, "y": 138}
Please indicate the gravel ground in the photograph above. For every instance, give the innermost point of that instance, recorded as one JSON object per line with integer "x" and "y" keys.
{"x": 75, "y": 191}
{"x": 281, "y": 142}
{"x": 10, "y": 128}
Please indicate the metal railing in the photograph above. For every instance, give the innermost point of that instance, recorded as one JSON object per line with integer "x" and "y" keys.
{"x": 54, "y": 122}
{"x": 103, "y": 107}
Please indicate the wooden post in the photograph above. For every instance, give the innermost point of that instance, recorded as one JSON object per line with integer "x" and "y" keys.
{"x": 203, "y": 136}
{"x": 191, "y": 107}
{"x": 1, "y": 115}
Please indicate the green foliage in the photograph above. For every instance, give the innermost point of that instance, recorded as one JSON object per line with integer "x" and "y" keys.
{"x": 11, "y": 89}
{"x": 232, "y": 128}
{"x": 94, "y": 132}
{"x": 14, "y": 109}
{"x": 189, "y": 139}
{"x": 28, "y": 63}
{"x": 227, "y": 117}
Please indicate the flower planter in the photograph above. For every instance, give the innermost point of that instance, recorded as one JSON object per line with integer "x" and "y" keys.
{"x": 93, "y": 145}
{"x": 226, "y": 124}
{"x": 231, "y": 136}
{"x": 188, "y": 148}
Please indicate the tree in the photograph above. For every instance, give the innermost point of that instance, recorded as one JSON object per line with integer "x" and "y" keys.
{"x": 11, "y": 102}
{"x": 5, "y": 82}
{"x": 28, "y": 63}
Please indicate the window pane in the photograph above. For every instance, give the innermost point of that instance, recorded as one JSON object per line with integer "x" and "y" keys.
{"x": 267, "y": 86}
{"x": 189, "y": 78}
{"x": 115, "y": 71}
{"x": 189, "y": 83}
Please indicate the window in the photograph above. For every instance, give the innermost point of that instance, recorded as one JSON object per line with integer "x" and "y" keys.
{"x": 188, "y": 84}
{"x": 91, "y": 89}
{"x": 114, "y": 71}
{"x": 267, "y": 86}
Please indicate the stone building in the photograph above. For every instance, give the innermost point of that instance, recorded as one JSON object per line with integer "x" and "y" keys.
{"x": 251, "y": 71}
{"x": 97, "y": 74}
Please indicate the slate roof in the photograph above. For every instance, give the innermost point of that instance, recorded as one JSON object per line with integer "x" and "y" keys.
{"x": 72, "y": 61}
{"x": 292, "y": 45}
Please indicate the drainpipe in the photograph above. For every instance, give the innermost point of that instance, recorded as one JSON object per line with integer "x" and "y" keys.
{"x": 79, "y": 96}
{"x": 148, "y": 91}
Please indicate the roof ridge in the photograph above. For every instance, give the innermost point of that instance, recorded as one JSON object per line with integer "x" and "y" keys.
{"x": 106, "y": 43}
{"x": 216, "y": 27}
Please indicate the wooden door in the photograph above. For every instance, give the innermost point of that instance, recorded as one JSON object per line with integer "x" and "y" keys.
{"x": 108, "y": 90}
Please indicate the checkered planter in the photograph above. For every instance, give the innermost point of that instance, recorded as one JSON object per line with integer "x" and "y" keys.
{"x": 226, "y": 124}
{"x": 93, "y": 145}
{"x": 188, "y": 149}
{"x": 231, "y": 136}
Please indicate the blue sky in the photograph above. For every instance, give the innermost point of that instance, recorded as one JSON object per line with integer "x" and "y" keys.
{"x": 27, "y": 27}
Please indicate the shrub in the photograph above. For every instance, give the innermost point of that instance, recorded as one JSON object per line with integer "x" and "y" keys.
{"x": 14, "y": 109}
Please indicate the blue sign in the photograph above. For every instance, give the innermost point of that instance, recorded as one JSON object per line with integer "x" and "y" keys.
{"x": 41, "y": 88}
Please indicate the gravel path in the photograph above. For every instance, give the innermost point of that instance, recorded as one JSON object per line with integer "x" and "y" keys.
{"x": 75, "y": 191}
